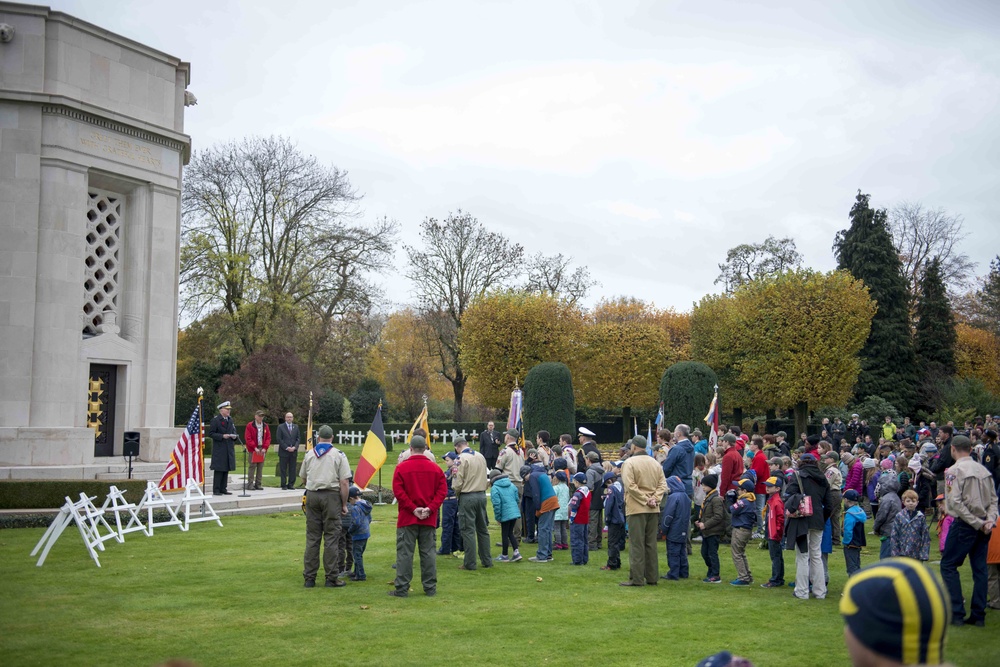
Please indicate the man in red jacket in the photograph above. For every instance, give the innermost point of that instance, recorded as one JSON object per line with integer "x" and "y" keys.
{"x": 257, "y": 438}
{"x": 759, "y": 465}
{"x": 420, "y": 487}
{"x": 732, "y": 465}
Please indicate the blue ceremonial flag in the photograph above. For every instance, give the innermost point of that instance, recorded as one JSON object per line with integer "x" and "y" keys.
{"x": 659, "y": 416}
{"x": 649, "y": 439}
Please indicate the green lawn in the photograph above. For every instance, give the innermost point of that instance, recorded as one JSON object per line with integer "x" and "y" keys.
{"x": 234, "y": 596}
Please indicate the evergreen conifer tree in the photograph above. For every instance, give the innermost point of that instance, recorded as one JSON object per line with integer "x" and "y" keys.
{"x": 935, "y": 337}
{"x": 887, "y": 360}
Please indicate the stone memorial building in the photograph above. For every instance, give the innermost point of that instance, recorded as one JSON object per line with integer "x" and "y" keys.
{"x": 92, "y": 146}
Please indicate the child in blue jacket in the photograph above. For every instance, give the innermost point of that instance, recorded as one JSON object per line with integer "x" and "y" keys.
{"x": 744, "y": 517}
{"x": 614, "y": 516}
{"x": 854, "y": 531}
{"x": 507, "y": 510}
{"x": 360, "y": 511}
{"x": 675, "y": 523}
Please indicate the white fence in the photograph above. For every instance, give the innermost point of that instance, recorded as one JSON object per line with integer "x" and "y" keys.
{"x": 357, "y": 438}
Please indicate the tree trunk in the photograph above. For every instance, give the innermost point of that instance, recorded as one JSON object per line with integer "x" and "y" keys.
{"x": 801, "y": 420}
{"x": 458, "y": 385}
{"x": 626, "y": 423}
{"x": 771, "y": 415}
{"x": 738, "y": 417}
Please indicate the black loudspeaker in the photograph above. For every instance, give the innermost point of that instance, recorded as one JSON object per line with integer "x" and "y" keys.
{"x": 130, "y": 443}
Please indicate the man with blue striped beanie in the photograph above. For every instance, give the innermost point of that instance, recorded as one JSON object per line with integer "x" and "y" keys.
{"x": 896, "y": 612}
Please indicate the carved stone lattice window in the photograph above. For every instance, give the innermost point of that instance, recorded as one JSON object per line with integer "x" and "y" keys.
{"x": 100, "y": 285}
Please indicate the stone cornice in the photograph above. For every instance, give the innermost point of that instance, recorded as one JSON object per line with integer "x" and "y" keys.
{"x": 59, "y": 105}
{"x": 97, "y": 31}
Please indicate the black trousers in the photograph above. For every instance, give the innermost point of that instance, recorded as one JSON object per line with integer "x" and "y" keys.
{"x": 287, "y": 463}
{"x": 710, "y": 554}
{"x": 219, "y": 482}
{"x": 777, "y": 561}
{"x": 616, "y": 541}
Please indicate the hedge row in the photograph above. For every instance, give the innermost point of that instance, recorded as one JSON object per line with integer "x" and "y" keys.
{"x": 49, "y": 494}
{"x": 44, "y": 520}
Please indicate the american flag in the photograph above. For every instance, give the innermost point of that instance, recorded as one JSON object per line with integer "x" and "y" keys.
{"x": 186, "y": 461}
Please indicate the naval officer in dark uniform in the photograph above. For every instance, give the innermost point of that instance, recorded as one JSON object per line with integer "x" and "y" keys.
{"x": 222, "y": 431}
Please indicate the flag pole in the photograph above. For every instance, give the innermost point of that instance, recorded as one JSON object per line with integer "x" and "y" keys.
{"x": 201, "y": 446}
{"x": 379, "y": 501}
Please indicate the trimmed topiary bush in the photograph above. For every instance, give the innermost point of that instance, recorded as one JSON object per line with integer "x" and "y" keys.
{"x": 365, "y": 399}
{"x": 548, "y": 401}
{"x": 329, "y": 409}
{"x": 686, "y": 390}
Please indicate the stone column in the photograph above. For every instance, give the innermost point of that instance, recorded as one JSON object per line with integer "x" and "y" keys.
{"x": 56, "y": 390}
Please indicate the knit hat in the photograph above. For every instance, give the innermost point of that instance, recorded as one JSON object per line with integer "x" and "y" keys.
{"x": 852, "y": 495}
{"x": 525, "y": 471}
{"x": 608, "y": 476}
{"x": 711, "y": 481}
{"x": 914, "y": 463}
{"x": 868, "y": 464}
{"x": 561, "y": 476}
{"x": 928, "y": 448}
{"x": 899, "y": 609}
{"x": 580, "y": 477}
{"x": 638, "y": 441}
{"x": 886, "y": 464}
{"x": 325, "y": 432}
{"x": 496, "y": 473}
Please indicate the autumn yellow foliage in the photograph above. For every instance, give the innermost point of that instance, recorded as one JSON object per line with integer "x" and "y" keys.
{"x": 505, "y": 333}
{"x": 786, "y": 339}
{"x": 977, "y": 355}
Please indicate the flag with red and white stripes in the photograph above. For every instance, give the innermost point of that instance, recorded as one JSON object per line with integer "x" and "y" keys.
{"x": 186, "y": 461}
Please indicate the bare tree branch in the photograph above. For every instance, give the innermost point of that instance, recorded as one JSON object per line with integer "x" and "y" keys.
{"x": 552, "y": 275}
{"x": 919, "y": 235}
{"x": 458, "y": 262}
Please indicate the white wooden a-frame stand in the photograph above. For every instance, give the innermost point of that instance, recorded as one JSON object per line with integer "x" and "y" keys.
{"x": 153, "y": 499}
{"x": 193, "y": 495}
{"x": 88, "y": 520}
{"x": 117, "y": 504}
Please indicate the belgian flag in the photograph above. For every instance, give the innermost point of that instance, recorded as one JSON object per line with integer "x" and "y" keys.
{"x": 373, "y": 453}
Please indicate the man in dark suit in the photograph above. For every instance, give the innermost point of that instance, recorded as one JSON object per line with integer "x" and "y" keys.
{"x": 489, "y": 445}
{"x": 288, "y": 451}
{"x": 222, "y": 431}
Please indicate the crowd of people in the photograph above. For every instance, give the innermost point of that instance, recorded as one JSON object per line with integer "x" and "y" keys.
{"x": 842, "y": 488}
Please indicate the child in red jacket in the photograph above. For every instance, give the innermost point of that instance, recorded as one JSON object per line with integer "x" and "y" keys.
{"x": 775, "y": 523}
{"x": 579, "y": 519}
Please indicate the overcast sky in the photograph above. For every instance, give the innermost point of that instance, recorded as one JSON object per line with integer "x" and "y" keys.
{"x": 642, "y": 138}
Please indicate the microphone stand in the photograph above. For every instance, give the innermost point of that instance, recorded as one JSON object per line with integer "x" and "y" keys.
{"x": 244, "y": 494}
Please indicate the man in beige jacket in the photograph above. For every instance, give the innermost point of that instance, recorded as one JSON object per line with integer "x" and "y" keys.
{"x": 970, "y": 498}
{"x": 644, "y": 484}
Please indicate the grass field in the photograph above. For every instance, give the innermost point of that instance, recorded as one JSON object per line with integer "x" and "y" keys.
{"x": 234, "y": 596}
